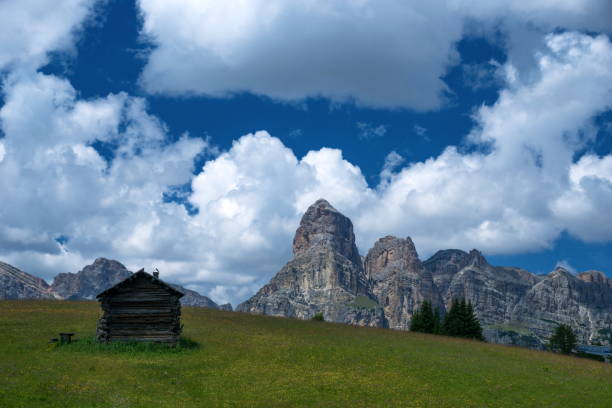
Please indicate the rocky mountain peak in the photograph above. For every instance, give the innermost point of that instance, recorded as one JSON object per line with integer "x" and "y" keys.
{"x": 476, "y": 258}
{"x": 593, "y": 277}
{"x": 560, "y": 272}
{"x": 325, "y": 275}
{"x": 399, "y": 280}
{"x": 323, "y": 227}
{"x": 391, "y": 253}
{"x": 91, "y": 280}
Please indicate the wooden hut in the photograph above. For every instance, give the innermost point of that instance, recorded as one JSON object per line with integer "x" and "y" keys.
{"x": 140, "y": 308}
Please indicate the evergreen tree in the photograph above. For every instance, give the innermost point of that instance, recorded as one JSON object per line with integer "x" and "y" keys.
{"x": 461, "y": 321}
{"x": 563, "y": 339}
{"x": 423, "y": 319}
{"x": 473, "y": 329}
{"x": 437, "y": 326}
{"x": 450, "y": 325}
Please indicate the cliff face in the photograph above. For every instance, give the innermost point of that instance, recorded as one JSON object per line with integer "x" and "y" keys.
{"x": 494, "y": 291}
{"x": 16, "y": 284}
{"x": 325, "y": 275}
{"x": 399, "y": 281}
{"x": 583, "y": 302}
{"x": 517, "y": 307}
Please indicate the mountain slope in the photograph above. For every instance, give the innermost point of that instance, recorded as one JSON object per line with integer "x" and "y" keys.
{"x": 17, "y": 284}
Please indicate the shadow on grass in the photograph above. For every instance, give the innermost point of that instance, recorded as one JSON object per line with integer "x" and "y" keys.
{"x": 91, "y": 345}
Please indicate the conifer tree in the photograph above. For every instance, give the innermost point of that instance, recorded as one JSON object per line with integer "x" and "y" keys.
{"x": 563, "y": 339}
{"x": 423, "y": 319}
{"x": 461, "y": 321}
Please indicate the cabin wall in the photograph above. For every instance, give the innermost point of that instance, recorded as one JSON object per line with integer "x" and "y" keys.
{"x": 141, "y": 312}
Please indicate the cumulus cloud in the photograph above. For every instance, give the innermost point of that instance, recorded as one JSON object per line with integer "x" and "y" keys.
{"x": 377, "y": 53}
{"x": 369, "y": 52}
{"x": 58, "y": 185}
{"x": 36, "y": 28}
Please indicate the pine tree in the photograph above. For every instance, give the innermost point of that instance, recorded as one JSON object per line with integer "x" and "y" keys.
{"x": 461, "y": 321}
{"x": 416, "y": 323}
{"x": 423, "y": 319}
{"x": 473, "y": 328}
{"x": 437, "y": 326}
{"x": 563, "y": 339}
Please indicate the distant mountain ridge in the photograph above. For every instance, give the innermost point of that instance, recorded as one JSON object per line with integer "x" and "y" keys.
{"x": 85, "y": 284}
{"x": 385, "y": 288}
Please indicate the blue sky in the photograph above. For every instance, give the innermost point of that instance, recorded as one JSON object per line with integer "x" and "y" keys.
{"x": 191, "y": 137}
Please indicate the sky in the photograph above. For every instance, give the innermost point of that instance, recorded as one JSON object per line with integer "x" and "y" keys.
{"x": 191, "y": 136}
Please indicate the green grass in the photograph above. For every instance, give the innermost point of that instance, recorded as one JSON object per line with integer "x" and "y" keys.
{"x": 241, "y": 360}
{"x": 90, "y": 345}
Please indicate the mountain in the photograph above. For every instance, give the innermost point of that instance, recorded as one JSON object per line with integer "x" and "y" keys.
{"x": 399, "y": 280}
{"x": 494, "y": 291}
{"x": 584, "y": 302}
{"x": 326, "y": 275}
{"x": 17, "y": 284}
{"x": 90, "y": 280}
{"x": 384, "y": 289}
{"x": 85, "y": 284}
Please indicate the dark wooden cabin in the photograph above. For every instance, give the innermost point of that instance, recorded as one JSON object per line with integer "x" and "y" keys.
{"x": 140, "y": 308}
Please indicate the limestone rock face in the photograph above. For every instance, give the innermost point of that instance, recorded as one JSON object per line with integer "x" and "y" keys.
{"x": 584, "y": 302}
{"x": 325, "y": 276}
{"x": 399, "y": 281}
{"x": 494, "y": 291}
{"x": 516, "y": 307}
{"x": 595, "y": 277}
{"x": 91, "y": 280}
{"x": 17, "y": 284}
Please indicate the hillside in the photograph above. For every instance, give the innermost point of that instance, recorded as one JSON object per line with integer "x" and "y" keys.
{"x": 247, "y": 360}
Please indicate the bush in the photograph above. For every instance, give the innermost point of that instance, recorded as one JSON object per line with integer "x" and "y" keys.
{"x": 318, "y": 317}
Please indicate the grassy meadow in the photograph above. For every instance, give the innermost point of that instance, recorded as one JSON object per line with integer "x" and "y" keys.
{"x": 255, "y": 361}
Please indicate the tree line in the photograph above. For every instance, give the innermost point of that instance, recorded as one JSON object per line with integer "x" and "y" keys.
{"x": 460, "y": 321}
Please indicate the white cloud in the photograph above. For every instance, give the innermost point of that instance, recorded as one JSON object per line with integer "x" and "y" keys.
{"x": 29, "y": 29}
{"x": 371, "y": 52}
{"x": 585, "y": 207}
{"x": 566, "y": 265}
{"x": 366, "y": 51}
{"x": 370, "y": 131}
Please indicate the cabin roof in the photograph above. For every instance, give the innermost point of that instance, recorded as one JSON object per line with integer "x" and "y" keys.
{"x": 140, "y": 274}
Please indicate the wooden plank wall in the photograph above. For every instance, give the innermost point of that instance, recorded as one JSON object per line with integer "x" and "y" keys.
{"x": 142, "y": 311}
